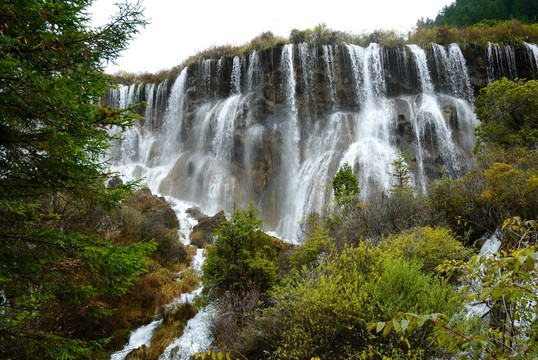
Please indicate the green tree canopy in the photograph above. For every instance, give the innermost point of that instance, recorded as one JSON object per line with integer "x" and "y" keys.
{"x": 469, "y": 12}
{"x": 53, "y": 138}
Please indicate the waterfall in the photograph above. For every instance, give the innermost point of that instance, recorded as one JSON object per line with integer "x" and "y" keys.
{"x": 328, "y": 58}
{"x": 291, "y": 132}
{"x": 236, "y": 75}
{"x": 206, "y": 75}
{"x": 272, "y": 127}
{"x": 501, "y": 61}
{"x": 430, "y": 120}
{"x": 373, "y": 149}
{"x": 308, "y": 60}
{"x": 459, "y": 79}
{"x": 253, "y": 74}
{"x": 533, "y": 52}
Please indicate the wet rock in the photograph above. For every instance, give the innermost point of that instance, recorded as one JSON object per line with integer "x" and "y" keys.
{"x": 201, "y": 233}
{"x": 196, "y": 213}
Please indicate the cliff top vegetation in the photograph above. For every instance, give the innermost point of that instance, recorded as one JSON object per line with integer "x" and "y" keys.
{"x": 511, "y": 32}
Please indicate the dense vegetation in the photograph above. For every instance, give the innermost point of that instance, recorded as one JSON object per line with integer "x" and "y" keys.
{"x": 83, "y": 258}
{"x": 468, "y": 12}
{"x": 67, "y": 251}
{"x": 401, "y": 257}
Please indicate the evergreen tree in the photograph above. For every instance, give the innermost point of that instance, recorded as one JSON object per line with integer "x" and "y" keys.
{"x": 469, "y": 12}
{"x": 53, "y": 137}
{"x": 242, "y": 257}
{"x": 345, "y": 184}
{"x": 401, "y": 173}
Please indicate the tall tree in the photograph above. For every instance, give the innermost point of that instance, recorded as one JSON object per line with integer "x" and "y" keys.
{"x": 53, "y": 138}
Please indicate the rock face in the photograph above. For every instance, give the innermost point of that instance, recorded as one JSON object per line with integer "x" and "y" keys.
{"x": 272, "y": 128}
{"x": 201, "y": 233}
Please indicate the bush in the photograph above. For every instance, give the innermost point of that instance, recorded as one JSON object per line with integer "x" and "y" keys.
{"x": 324, "y": 311}
{"x": 502, "y": 184}
{"x": 430, "y": 246}
{"x": 509, "y": 114}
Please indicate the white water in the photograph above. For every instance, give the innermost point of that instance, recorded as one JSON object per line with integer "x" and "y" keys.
{"x": 501, "y": 61}
{"x": 429, "y": 115}
{"x": 220, "y": 150}
{"x": 372, "y": 150}
{"x": 533, "y": 50}
{"x": 328, "y": 57}
{"x": 139, "y": 337}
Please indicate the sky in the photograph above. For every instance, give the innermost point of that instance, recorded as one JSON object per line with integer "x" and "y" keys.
{"x": 179, "y": 29}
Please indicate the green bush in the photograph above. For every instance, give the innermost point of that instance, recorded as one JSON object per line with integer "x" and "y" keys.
{"x": 323, "y": 311}
{"x": 508, "y": 111}
{"x": 430, "y": 246}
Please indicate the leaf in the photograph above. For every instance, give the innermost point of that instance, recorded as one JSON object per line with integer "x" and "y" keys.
{"x": 388, "y": 327}
{"x": 404, "y": 324}
{"x": 379, "y": 326}
{"x": 423, "y": 319}
{"x": 396, "y": 324}
{"x": 496, "y": 293}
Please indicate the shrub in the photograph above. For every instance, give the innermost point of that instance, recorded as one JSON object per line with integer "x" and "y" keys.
{"x": 509, "y": 113}
{"x": 323, "y": 311}
{"x": 430, "y": 246}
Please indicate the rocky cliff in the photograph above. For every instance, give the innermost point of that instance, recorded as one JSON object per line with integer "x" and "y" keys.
{"x": 273, "y": 127}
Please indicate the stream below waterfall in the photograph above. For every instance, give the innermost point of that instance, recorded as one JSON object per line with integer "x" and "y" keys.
{"x": 196, "y": 336}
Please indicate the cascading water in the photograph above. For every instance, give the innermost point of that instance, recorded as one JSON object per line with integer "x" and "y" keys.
{"x": 291, "y": 139}
{"x": 430, "y": 120}
{"x": 501, "y": 61}
{"x": 271, "y": 128}
{"x": 533, "y": 52}
{"x": 373, "y": 148}
{"x": 328, "y": 57}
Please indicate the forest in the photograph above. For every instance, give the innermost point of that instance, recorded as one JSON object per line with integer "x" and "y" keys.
{"x": 86, "y": 257}
{"x": 468, "y": 12}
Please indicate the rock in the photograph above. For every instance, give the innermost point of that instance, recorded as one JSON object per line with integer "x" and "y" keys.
{"x": 196, "y": 213}
{"x": 201, "y": 233}
{"x": 114, "y": 182}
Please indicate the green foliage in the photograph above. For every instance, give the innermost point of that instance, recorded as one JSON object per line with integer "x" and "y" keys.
{"x": 242, "y": 258}
{"x": 430, "y": 246}
{"x": 316, "y": 246}
{"x": 505, "y": 284}
{"x": 324, "y": 310}
{"x": 502, "y": 184}
{"x": 507, "y": 32}
{"x": 52, "y": 141}
{"x": 401, "y": 173}
{"x": 508, "y": 111}
{"x": 345, "y": 183}
{"x": 468, "y": 12}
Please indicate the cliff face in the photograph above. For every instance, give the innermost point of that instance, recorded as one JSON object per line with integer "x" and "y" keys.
{"x": 273, "y": 127}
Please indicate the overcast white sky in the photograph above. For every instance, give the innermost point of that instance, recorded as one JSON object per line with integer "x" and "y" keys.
{"x": 180, "y": 28}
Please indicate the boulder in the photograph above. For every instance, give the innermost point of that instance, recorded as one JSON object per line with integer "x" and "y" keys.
{"x": 201, "y": 233}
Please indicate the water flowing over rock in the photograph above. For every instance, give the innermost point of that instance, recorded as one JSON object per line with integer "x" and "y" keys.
{"x": 272, "y": 127}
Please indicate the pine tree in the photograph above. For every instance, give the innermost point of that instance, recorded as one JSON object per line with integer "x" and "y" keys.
{"x": 345, "y": 184}
{"x": 53, "y": 137}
